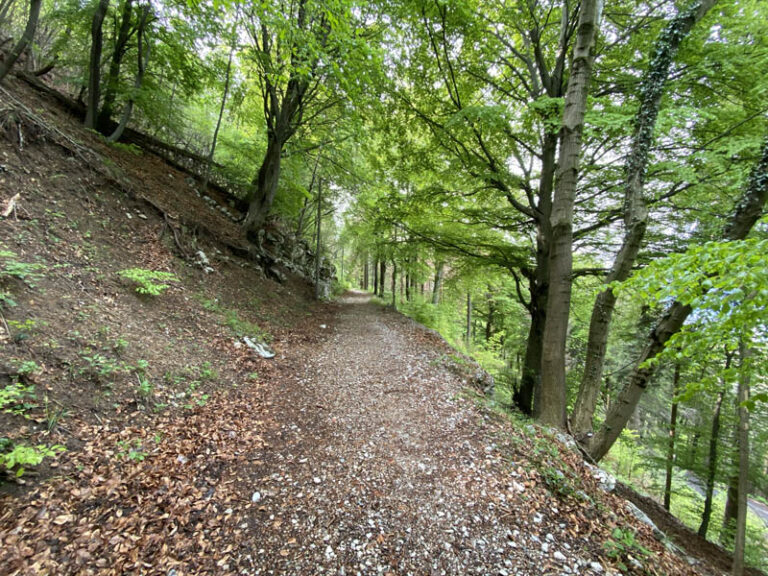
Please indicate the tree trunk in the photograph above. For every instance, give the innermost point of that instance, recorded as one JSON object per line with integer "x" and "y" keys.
{"x": 212, "y": 151}
{"x": 747, "y": 211}
{"x": 439, "y": 271}
{"x": 711, "y": 465}
{"x": 113, "y": 75}
{"x": 469, "y": 320}
{"x": 26, "y": 38}
{"x": 382, "y": 276}
{"x": 743, "y": 444}
{"x": 672, "y": 437}
{"x": 264, "y": 186}
{"x": 394, "y": 284}
{"x": 94, "y": 66}
{"x": 489, "y": 318}
{"x": 375, "y": 277}
{"x": 143, "y": 57}
{"x": 408, "y": 285}
{"x": 319, "y": 219}
{"x": 553, "y": 385}
{"x": 528, "y": 396}
{"x": 366, "y": 278}
{"x": 636, "y": 213}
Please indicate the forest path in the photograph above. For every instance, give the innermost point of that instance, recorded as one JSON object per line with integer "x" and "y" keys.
{"x": 378, "y": 467}
{"x": 355, "y": 451}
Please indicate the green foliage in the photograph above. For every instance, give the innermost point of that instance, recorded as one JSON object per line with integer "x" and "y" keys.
{"x": 131, "y": 449}
{"x": 20, "y": 455}
{"x": 148, "y": 282}
{"x": 624, "y": 547}
{"x": 99, "y": 367}
{"x": 17, "y": 398}
{"x": 11, "y": 267}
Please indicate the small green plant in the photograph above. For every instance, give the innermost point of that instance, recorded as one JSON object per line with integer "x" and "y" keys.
{"x": 99, "y": 367}
{"x": 6, "y": 301}
{"x": 130, "y": 148}
{"x": 52, "y": 414}
{"x": 148, "y": 282}
{"x": 17, "y": 398}
{"x": 119, "y": 346}
{"x": 131, "y": 449}
{"x": 10, "y": 267}
{"x": 25, "y": 367}
{"x": 623, "y": 547}
{"x": 20, "y": 455}
{"x": 146, "y": 388}
{"x": 207, "y": 373}
{"x": 23, "y": 330}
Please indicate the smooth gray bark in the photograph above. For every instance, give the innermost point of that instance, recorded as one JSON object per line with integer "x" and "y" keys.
{"x": 553, "y": 385}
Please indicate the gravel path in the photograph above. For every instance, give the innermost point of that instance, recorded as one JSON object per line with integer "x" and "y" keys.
{"x": 378, "y": 467}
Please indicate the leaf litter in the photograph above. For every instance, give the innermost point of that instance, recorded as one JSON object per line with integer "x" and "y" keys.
{"x": 357, "y": 452}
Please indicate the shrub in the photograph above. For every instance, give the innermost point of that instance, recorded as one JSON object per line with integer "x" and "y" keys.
{"x": 20, "y": 455}
{"x": 148, "y": 282}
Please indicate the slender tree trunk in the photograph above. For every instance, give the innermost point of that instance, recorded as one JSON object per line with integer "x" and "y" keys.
{"x": 731, "y": 512}
{"x": 489, "y": 319}
{"x": 747, "y": 211}
{"x": 212, "y": 151}
{"x": 366, "y": 279}
{"x": 553, "y": 385}
{"x": 143, "y": 57}
{"x": 407, "y": 286}
{"x": 636, "y": 214}
{"x": 469, "y": 320}
{"x": 94, "y": 66}
{"x": 26, "y": 38}
{"x": 382, "y": 276}
{"x": 319, "y": 218}
{"x": 438, "y": 285}
{"x": 375, "y": 277}
{"x": 113, "y": 75}
{"x": 672, "y": 438}
{"x": 711, "y": 466}
{"x": 394, "y": 284}
{"x": 743, "y": 444}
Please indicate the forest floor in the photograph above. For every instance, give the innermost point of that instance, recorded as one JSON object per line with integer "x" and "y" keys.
{"x": 357, "y": 449}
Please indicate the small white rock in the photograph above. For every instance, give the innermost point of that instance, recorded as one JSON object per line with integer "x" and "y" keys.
{"x": 256, "y": 497}
{"x": 559, "y": 556}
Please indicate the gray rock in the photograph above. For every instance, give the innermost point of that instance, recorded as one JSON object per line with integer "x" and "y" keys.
{"x": 606, "y": 481}
{"x": 559, "y": 556}
{"x": 259, "y": 347}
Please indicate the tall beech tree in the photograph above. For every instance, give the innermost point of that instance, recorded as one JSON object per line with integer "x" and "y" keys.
{"x": 553, "y": 386}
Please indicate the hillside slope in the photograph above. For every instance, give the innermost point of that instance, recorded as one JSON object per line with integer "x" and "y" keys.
{"x": 354, "y": 450}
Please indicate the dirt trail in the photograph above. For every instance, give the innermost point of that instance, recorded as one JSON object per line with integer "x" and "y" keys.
{"x": 357, "y": 453}
{"x": 381, "y": 468}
